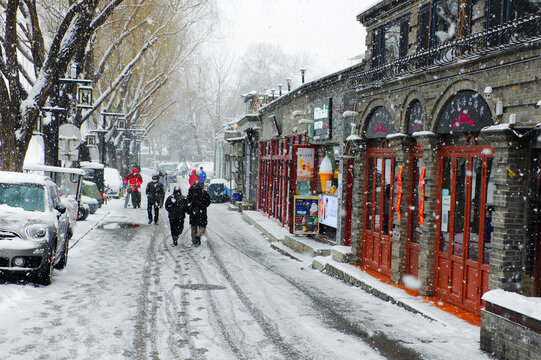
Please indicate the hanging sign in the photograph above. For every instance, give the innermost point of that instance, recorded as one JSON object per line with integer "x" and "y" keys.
{"x": 422, "y": 197}
{"x": 467, "y": 111}
{"x": 306, "y": 215}
{"x": 399, "y": 195}
{"x": 274, "y": 125}
{"x": 445, "y": 209}
{"x": 380, "y": 124}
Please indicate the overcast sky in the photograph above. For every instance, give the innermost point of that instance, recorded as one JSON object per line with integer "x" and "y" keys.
{"x": 327, "y": 29}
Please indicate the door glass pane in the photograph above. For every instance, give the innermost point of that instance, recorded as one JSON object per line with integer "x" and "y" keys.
{"x": 447, "y": 180}
{"x": 369, "y": 193}
{"x": 387, "y": 198}
{"x": 462, "y": 175}
{"x": 475, "y": 208}
{"x": 418, "y": 164}
{"x": 377, "y": 188}
{"x": 489, "y": 213}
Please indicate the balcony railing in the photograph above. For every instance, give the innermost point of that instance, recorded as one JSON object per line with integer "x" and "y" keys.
{"x": 520, "y": 31}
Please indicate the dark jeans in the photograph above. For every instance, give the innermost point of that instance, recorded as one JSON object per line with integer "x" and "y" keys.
{"x": 156, "y": 206}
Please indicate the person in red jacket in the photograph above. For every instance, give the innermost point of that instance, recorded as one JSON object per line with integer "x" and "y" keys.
{"x": 134, "y": 181}
{"x": 193, "y": 177}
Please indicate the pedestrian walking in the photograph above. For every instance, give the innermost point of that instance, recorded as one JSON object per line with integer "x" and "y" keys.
{"x": 155, "y": 195}
{"x": 134, "y": 181}
{"x": 177, "y": 206}
{"x": 202, "y": 176}
{"x": 193, "y": 178}
{"x": 199, "y": 200}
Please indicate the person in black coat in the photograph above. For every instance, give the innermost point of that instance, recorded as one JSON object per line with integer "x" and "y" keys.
{"x": 199, "y": 200}
{"x": 177, "y": 206}
{"x": 155, "y": 195}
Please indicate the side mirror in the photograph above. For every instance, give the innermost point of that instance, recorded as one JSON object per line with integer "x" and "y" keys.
{"x": 61, "y": 208}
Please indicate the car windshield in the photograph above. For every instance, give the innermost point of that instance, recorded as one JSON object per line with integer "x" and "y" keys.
{"x": 168, "y": 168}
{"x": 27, "y": 196}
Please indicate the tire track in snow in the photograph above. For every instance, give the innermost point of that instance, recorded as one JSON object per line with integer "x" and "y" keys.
{"x": 269, "y": 328}
{"x": 387, "y": 347}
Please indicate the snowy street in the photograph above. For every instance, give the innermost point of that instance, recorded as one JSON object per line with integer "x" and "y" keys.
{"x": 127, "y": 293}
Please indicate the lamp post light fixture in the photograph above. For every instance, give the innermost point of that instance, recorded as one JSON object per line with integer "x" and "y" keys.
{"x": 288, "y": 84}
{"x": 280, "y": 89}
{"x": 303, "y": 71}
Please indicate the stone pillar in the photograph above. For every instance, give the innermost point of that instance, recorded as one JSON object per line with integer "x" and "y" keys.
{"x": 430, "y": 145}
{"x": 402, "y": 145}
{"x": 510, "y": 213}
{"x": 357, "y": 206}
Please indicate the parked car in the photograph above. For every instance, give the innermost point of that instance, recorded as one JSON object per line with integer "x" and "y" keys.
{"x": 218, "y": 191}
{"x": 94, "y": 172}
{"x": 113, "y": 182}
{"x": 91, "y": 196}
{"x": 34, "y": 226}
{"x": 170, "y": 169}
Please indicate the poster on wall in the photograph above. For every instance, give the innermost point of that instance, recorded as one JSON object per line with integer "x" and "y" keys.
{"x": 305, "y": 163}
{"x": 328, "y": 210}
{"x": 306, "y": 215}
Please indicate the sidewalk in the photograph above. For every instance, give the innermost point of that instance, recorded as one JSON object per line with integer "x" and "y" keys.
{"x": 334, "y": 261}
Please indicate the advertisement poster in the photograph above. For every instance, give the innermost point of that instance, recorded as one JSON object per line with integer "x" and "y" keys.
{"x": 306, "y": 215}
{"x": 328, "y": 210}
{"x": 305, "y": 163}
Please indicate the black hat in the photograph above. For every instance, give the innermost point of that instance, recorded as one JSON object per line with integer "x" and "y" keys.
{"x": 155, "y": 177}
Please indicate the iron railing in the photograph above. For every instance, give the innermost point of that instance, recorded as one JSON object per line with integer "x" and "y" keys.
{"x": 498, "y": 38}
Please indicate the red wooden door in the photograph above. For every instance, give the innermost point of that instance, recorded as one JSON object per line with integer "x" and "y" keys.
{"x": 537, "y": 229}
{"x": 414, "y": 227}
{"x": 378, "y": 221}
{"x": 464, "y": 227}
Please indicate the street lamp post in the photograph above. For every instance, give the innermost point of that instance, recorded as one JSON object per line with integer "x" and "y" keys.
{"x": 288, "y": 84}
{"x": 302, "y": 74}
{"x": 280, "y": 89}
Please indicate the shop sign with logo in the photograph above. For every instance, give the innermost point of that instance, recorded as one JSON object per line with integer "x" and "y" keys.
{"x": 445, "y": 209}
{"x": 415, "y": 117}
{"x": 467, "y": 111}
{"x": 380, "y": 124}
{"x": 328, "y": 210}
{"x": 322, "y": 119}
{"x": 306, "y": 215}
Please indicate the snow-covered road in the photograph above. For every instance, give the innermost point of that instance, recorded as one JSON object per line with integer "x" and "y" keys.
{"x": 127, "y": 293}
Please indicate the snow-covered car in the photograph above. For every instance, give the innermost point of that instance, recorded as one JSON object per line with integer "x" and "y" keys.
{"x": 34, "y": 226}
{"x": 170, "y": 169}
{"x": 113, "y": 182}
{"x": 217, "y": 189}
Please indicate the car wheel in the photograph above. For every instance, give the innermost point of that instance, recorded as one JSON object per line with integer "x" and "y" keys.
{"x": 64, "y": 258}
{"x": 45, "y": 273}
{"x": 83, "y": 213}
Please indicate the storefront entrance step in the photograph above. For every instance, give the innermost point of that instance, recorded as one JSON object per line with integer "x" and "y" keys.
{"x": 233, "y": 207}
{"x": 308, "y": 246}
{"x": 342, "y": 254}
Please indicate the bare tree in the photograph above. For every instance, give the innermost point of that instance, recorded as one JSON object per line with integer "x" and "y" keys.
{"x": 23, "y": 94}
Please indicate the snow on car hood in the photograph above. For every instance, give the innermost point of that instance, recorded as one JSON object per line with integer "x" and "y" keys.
{"x": 17, "y": 219}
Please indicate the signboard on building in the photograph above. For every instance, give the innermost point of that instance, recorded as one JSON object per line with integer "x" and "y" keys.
{"x": 323, "y": 119}
{"x": 415, "y": 117}
{"x": 467, "y": 111}
{"x": 328, "y": 210}
{"x": 306, "y": 215}
{"x": 380, "y": 124}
